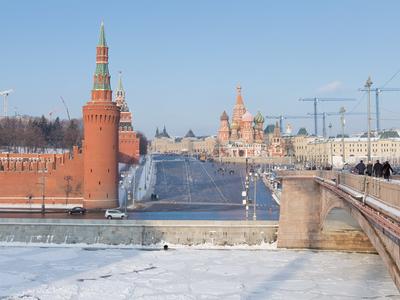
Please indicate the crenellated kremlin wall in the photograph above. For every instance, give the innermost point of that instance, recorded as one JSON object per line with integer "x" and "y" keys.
{"x": 22, "y": 176}
{"x": 84, "y": 177}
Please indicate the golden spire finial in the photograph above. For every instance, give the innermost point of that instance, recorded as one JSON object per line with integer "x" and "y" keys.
{"x": 239, "y": 89}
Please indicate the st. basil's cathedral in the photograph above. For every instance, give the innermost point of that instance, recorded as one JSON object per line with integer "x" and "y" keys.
{"x": 244, "y": 136}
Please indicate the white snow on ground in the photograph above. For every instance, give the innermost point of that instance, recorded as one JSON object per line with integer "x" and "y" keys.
{"x": 186, "y": 273}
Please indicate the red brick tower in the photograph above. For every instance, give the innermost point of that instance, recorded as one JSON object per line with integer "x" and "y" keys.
{"x": 100, "y": 120}
{"x": 128, "y": 139}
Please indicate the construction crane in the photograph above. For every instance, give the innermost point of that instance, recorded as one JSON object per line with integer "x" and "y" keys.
{"x": 5, "y": 95}
{"x": 316, "y": 100}
{"x": 284, "y": 117}
{"x": 66, "y": 108}
{"x": 377, "y": 110}
{"x": 324, "y": 114}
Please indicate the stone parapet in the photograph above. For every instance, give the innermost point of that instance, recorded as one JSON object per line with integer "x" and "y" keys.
{"x": 132, "y": 232}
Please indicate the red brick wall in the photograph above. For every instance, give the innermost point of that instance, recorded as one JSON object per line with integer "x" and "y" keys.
{"x": 128, "y": 147}
{"x": 17, "y": 186}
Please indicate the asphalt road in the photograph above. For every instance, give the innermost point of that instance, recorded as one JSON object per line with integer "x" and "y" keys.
{"x": 212, "y": 190}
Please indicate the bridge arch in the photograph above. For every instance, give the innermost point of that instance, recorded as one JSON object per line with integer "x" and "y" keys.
{"x": 305, "y": 205}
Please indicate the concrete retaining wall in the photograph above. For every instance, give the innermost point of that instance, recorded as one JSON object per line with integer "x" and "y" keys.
{"x": 132, "y": 232}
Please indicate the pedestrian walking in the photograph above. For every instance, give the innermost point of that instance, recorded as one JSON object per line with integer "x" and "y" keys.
{"x": 377, "y": 169}
{"x": 360, "y": 167}
{"x": 369, "y": 168}
{"x": 387, "y": 170}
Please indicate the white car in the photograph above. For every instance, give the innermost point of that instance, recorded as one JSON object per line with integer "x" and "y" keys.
{"x": 115, "y": 214}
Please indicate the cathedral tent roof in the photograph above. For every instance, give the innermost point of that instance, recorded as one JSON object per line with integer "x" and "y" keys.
{"x": 239, "y": 99}
{"x": 224, "y": 116}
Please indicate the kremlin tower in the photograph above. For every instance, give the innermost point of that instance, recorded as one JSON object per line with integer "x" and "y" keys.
{"x": 128, "y": 139}
{"x": 101, "y": 121}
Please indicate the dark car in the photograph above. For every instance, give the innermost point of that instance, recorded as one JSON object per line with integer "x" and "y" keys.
{"x": 77, "y": 210}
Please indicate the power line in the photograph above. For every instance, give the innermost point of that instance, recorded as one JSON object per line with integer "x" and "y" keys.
{"x": 390, "y": 111}
{"x": 358, "y": 102}
{"x": 391, "y": 78}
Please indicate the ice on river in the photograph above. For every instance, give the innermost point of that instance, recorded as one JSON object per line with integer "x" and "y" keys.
{"x": 186, "y": 273}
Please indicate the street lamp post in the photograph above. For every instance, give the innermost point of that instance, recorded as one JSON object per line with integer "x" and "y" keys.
{"x": 368, "y": 86}
{"x": 331, "y": 150}
{"x": 134, "y": 186}
{"x": 43, "y": 184}
{"x": 247, "y": 196}
{"x": 43, "y": 194}
{"x": 128, "y": 194}
{"x": 342, "y": 123}
{"x": 255, "y": 197}
{"x": 145, "y": 174}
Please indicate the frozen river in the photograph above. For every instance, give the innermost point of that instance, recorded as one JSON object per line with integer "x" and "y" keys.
{"x": 187, "y": 273}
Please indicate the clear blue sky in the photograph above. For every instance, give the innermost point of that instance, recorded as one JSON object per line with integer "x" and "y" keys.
{"x": 181, "y": 60}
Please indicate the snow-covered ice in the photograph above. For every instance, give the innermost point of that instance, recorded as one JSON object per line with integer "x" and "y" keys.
{"x": 186, "y": 273}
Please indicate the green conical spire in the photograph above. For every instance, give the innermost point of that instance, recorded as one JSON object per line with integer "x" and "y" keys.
{"x": 102, "y": 38}
{"x": 102, "y": 80}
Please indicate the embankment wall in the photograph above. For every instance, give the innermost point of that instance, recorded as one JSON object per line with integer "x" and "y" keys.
{"x": 132, "y": 232}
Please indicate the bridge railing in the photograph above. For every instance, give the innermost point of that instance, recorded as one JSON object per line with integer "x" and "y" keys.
{"x": 386, "y": 191}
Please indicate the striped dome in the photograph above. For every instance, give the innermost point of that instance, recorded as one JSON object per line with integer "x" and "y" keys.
{"x": 259, "y": 118}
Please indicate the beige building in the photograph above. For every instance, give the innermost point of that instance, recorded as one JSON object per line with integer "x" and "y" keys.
{"x": 322, "y": 152}
{"x": 191, "y": 144}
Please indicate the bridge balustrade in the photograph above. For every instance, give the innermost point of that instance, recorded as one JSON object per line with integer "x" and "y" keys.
{"x": 386, "y": 191}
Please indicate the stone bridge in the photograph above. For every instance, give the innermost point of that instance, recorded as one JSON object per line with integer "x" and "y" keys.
{"x": 309, "y": 196}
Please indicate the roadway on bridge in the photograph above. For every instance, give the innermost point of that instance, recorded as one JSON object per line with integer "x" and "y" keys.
{"x": 209, "y": 190}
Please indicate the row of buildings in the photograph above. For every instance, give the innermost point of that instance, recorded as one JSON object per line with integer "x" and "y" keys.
{"x": 338, "y": 151}
{"x": 245, "y": 136}
{"x": 190, "y": 144}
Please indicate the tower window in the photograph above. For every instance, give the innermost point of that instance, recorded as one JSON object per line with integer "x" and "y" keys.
{"x": 100, "y": 128}
{"x": 108, "y": 170}
{"x": 99, "y": 182}
{"x": 91, "y": 171}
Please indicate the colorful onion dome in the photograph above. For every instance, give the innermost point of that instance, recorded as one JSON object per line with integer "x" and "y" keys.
{"x": 259, "y": 118}
{"x": 234, "y": 125}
